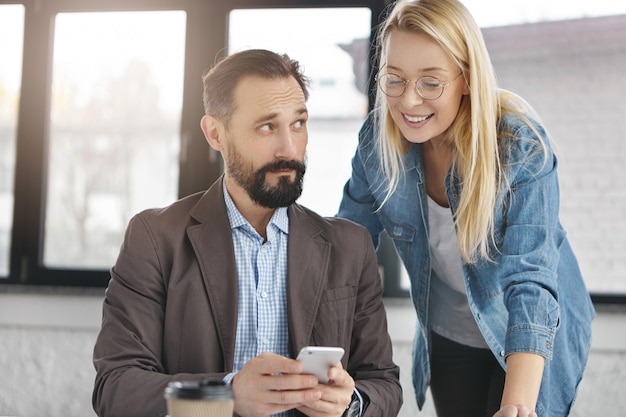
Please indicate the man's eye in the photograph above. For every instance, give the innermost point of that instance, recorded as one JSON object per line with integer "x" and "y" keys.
{"x": 265, "y": 128}
{"x": 298, "y": 124}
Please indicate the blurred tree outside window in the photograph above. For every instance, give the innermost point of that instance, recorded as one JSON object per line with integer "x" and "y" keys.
{"x": 114, "y": 129}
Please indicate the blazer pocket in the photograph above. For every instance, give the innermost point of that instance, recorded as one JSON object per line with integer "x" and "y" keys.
{"x": 335, "y": 317}
{"x": 336, "y": 294}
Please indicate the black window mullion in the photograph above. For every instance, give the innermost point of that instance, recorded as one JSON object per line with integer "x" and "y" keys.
{"x": 30, "y": 164}
{"x": 206, "y": 36}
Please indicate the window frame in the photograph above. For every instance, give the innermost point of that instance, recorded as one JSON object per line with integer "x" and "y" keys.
{"x": 199, "y": 165}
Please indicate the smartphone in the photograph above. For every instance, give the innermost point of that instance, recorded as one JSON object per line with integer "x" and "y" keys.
{"x": 317, "y": 360}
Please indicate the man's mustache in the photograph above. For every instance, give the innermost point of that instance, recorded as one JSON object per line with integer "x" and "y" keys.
{"x": 283, "y": 164}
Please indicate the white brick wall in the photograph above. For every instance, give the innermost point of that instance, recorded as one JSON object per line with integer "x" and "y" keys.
{"x": 572, "y": 73}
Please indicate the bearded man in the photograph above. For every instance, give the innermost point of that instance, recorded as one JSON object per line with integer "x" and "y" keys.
{"x": 230, "y": 283}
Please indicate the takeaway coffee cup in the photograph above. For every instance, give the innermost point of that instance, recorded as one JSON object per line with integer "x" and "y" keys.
{"x": 207, "y": 398}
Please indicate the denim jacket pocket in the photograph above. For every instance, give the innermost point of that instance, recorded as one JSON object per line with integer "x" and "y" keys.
{"x": 397, "y": 230}
{"x": 402, "y": 236}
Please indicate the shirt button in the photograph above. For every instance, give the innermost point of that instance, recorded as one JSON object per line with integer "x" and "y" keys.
{"x": 501, "y": 353}
{"x": 263, "y": 294}
{"x": 265, "y": 341}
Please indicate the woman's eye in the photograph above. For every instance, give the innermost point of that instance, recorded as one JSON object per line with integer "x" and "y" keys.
{"x": 430, "y": 83}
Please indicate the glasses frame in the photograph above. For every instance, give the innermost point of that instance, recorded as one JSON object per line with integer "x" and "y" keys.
{"x": 417, "y": 90}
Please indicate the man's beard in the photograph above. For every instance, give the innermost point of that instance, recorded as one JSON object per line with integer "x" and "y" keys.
{"x": 285, "y": 193}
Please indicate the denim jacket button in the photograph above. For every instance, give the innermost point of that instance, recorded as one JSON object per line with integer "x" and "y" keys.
{"x": 501, "y": 353}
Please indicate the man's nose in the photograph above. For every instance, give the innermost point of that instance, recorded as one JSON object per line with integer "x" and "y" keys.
{"x": 287, "y": 144}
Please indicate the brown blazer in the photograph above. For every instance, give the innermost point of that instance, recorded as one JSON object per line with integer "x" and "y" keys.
{"x": 170, "y": 310}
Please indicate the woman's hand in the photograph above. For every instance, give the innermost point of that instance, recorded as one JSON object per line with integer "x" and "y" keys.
{"x": 521, "y": 387}
{"x": 515, "y": 411}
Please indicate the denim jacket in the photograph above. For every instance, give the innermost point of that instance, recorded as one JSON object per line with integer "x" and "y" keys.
{"x": 529, "y": 298}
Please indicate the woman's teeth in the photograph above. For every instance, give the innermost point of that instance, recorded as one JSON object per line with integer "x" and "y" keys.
{"x": 416, "y": 119}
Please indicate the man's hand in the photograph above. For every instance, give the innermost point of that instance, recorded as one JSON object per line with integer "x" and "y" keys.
{"x": 336, "y": 395}
{"x": 270, "y": 383}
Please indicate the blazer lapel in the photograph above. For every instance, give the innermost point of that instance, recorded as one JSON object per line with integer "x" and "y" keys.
{"x": 212, "y": 242}
{"x": 307, "y": 270}
{"x": 307, "y": 274}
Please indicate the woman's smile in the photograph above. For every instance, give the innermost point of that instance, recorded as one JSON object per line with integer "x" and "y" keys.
{"x": 416, "y": 119}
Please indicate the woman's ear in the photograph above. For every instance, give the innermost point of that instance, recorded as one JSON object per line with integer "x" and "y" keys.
{"x": 213, "y": 132}
{"x": 466, "y": 89}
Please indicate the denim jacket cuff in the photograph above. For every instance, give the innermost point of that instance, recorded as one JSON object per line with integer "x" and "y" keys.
{"x": 528, "y": 338}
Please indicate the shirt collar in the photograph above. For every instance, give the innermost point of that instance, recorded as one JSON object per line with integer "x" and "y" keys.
{"x": 280, "y": 218}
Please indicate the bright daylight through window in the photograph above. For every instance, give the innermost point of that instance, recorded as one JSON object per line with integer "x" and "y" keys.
{"x": 336, "y": 62}
{"x": 114, "y": 131}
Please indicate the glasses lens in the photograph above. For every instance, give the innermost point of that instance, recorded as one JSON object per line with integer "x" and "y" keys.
{"x": 391, "y": 84}
{"x": 429, "y": 87}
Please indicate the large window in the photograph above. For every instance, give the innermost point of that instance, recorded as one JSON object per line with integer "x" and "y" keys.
{"x": 100, "y": 104}
{"x": 108, "y": 121}
{"x": 101, "y": 122}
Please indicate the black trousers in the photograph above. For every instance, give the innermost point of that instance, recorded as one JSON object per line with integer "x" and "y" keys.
{"x": 465, "y": 381}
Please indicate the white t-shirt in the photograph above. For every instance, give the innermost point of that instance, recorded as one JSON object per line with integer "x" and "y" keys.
{"x": 450, "y": 315}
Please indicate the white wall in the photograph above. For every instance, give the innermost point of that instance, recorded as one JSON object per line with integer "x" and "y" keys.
{"x": 46, "y": 342}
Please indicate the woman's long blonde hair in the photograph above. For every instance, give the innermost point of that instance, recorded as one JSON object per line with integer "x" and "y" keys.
{"x": 474, "y": 132}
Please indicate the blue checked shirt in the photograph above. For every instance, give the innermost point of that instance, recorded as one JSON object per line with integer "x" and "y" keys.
{"x": 262, "y": 274}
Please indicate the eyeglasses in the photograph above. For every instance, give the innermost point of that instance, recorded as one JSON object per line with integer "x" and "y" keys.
{"x": 429, "y": 88}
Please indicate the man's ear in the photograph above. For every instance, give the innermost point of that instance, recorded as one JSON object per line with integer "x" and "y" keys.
{"x": 213, "y": 132}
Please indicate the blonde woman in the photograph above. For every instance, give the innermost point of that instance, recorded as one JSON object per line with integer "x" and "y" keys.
{"x": 462, "y": 177}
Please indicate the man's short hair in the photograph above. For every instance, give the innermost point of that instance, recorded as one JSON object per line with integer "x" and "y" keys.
{"x": 221, "y": 80}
